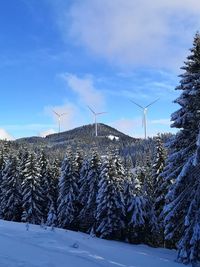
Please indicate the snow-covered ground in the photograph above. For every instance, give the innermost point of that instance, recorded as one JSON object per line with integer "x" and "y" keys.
{"x": 45, "y": 248}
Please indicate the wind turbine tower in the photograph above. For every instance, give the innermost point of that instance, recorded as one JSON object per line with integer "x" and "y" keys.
{"x": 95, "y": 118}
{"x": 59, "y": 116}
{"x": 145, "y": 109}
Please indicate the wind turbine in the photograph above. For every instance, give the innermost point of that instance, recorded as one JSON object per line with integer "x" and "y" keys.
{"x": 144, "y": 120}
{"x": 59, "y": 115}
{"x": 95, "y": 118}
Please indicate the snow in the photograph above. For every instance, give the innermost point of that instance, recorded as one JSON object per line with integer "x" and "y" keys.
{"x": 38, "y": 247}
{"x": 112, "y": 137}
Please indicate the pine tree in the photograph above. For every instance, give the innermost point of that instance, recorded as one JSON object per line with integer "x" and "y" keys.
{"x": 110, "y": 203}
{"x": 68, "y": 194}
{"x": 45, "y": 176}
{"x": 131, "y": 185}
{"x": 182, "y": 149}
{"x": 138, "y": 218}
{"x": 77, "y": 163}
{"x": 189, "y": 244}
{"x": 53, "y": 194}
{"x": 4, "y": 156}
{"x": 141, "y": 214}
{"x": 88, "y": 192}
{"x": 11, "y": 191}
{"x": 31, "y": 191}
{"x": 159, "y": 185}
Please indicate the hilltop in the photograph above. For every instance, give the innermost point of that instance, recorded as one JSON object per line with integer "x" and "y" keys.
{"x": 82, "y": 137}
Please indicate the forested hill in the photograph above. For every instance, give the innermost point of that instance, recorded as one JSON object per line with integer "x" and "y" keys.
{"x": 84, "y": 138}
{"x": 108, "y": 140}
{"x": 88, "y": 132}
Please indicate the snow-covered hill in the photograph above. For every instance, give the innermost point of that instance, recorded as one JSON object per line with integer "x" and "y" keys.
{"x": 38, "y": 247}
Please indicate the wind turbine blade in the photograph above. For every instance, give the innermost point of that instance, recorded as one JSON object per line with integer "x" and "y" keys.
{"x": 152, "y": 103}
{"x": 137, "y": 104}
{"x": 56, "y": 113}
{"x": 99, "y": 113}
{"x": 91, "y": 110}
{"x": 65, "y": 113}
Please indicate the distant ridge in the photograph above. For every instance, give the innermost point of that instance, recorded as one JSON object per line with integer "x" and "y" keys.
{"x": 83, "y": 137}
{"x": 87, "y": 130}
{"x": 79, "y": 132}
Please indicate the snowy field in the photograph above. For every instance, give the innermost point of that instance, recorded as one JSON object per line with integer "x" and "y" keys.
{"x": 45, "y": 248}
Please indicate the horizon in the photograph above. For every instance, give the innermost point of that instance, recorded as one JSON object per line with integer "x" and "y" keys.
{"x": 66, "y": 55}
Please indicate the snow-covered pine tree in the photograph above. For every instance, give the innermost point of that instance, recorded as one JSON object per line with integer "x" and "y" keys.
{"x": 84, "y": 187}
{"x": 141, "y": 214}
{"x": 183, "y": 146}
{"x": 4, "y": 155}
{"x": 11, "y": 201}
{"x": 158, "y": 161}
{"x": 189, "y": 245}
{"x": 130, "y": 191}
{"x": 159, "y": 185}
{"x": 45, "y": 175}
{"x": 77, "y": 163}
{"x": 68, "y": 194}
{"x": 3, "y": 160}
{"x": 53, "y": 194}
{"x": 110, "y": 203}
{"x": 88, "y": 192}
{"x": 31, "y": 190}
{"x": 138, "y": 218}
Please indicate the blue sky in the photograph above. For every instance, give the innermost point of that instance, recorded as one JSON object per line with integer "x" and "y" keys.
{"x": 65, "y": 55}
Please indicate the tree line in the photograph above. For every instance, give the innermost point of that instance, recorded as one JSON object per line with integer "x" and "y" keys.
{"x": 100, "y": 195}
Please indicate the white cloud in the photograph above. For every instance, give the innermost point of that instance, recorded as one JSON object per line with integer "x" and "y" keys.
{"x": 4, "y": 135}
{"x": 47, "y": 132}
{"x": 140, "y": 32}
{"x": 85, "y": 90}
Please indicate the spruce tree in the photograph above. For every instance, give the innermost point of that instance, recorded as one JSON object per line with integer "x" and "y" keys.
{"x": 141, "y": 214}
{"x": 31, "y": 191}
{"x": 88, "y": 192}
{"x": 45, "y": 176}
{"x": 189, "y": 243}
{"x": 11, "y": 202}
{"x": 182, "y": 149}
{"x": 110, "y": 203}
{"x": 159, "y": 185}
{"x": 68, "y": 194}
{"x": 53, "y": 193}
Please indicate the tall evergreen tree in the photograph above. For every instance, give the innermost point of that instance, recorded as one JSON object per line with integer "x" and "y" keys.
{"x": 88, "y": 192}
{"x": 68, "y": 194}
{"x": 142, "y": 220}
{"x": 53, "y": 193}
{"x": 11, "y": 202}
{"x": 31, "y": 191}
{"x": 183, "y": 147}
{"x": 189, "y": 244}
{"x": 159, "y": 185}
{"x": 110, "y": 202}
{"x": 45, "y": 176}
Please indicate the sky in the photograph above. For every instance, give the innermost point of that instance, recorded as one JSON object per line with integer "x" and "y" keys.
{"x": 64, "y": 55}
